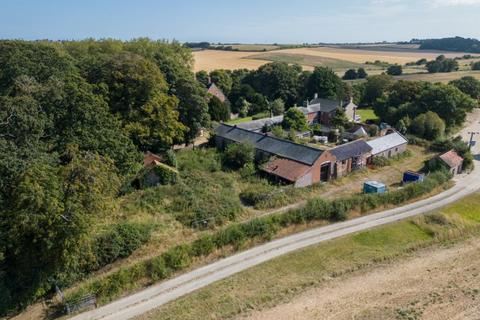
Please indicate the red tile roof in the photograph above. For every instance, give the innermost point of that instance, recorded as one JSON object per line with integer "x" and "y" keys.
{"x": 286, "y": 169}
{"x": 151, "y": 159}
{"x": 452, "y": 159}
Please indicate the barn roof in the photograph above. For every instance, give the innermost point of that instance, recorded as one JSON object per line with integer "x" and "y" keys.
{"x": 272, "y": 145}
{"x": 257, "y": 125}
{"x": 350, "y": 150}
{"x": 452, "y": 159}
{"x": 387, "y": 142}
{"x": 287, "y": 169}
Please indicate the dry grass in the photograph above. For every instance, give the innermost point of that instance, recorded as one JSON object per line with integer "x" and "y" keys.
{"x": 213, "y": 59}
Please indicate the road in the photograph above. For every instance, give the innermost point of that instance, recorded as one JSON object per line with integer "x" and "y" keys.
{"x": 160, "y": 294}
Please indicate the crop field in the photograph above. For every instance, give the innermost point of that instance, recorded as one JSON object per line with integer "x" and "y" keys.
{"x": 334, "y": 57}
{"x": 439, "y": 77}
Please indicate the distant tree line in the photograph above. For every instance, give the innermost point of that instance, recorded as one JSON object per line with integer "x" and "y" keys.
{"x": 457, "y": 44}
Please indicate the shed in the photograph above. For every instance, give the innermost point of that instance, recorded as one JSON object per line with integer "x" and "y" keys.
{"x": 389, "y": 145}
{"x": 410, "y": 176}
{"x": 453, "y": 161}
{"x": 374, "y": 187}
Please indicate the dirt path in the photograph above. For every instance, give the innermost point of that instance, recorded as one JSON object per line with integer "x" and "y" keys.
{"x": 442, "y": 283}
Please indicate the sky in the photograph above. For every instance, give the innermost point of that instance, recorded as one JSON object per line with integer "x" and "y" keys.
{"x": 240, "y": 21}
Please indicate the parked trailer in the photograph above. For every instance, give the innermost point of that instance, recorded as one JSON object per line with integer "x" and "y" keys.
{"x": 374, "y": 187}
{"x": 410, "y": 176}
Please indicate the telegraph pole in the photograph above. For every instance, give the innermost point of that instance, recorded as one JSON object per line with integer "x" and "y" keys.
{"x": 471, "y": 138}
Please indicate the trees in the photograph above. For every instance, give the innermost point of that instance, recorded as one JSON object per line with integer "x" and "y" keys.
{"x": 277, "y": 107}
{"x": 203, "y": 78}
{"x": 395, "y": 70}
{"x": 238, "y": 155}
{"x": 468, "y": 85}
{"x": 218, "y": 110}
{"x": 350, "y": 74}
{"x": 376, "y": 87}
{"x": 324, "y": 82}
{"x": 340, "y": 119}
{"x": 294, "y": 119}
{"x": 428, "y": 125}
{"x": 476, "y": 65}
{"x": 222, "y": 79}
{"x": 277, "y": 80}
{"x": 442, "y": 64}
{"x": 362, "y": 74}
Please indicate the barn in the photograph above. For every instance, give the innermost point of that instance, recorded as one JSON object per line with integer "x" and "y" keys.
{"x": 288, "y": 161}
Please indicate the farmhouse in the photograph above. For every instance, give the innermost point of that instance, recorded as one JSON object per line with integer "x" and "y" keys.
{"x": 350, "y": 156}
{"x": 388, "y": 146}
{"x": 289, "y": 162}
{"x": 452, "y": 161}
{"x": 215, "y": 91}
{"x": 260, "y": 124}
{"x": 322, "y": 110}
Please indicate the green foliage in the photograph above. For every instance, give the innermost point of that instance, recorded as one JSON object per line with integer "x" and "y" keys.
{"x": 218, "y": 110}
{"x": 362, "y": 74}
{"x": 238, "y": 155}
{"x": 457, "y": 144}
{"x": 395, "y": 70}
{"x": 340, "y": 119}
{"x": 442, "y": 64}
{"x": 384, "y": 162}
{"x": 263, "y": 228}
{"x": 476, "y": 65}
{"x": 294, "y": 119}
{"x": 222, "y": 79}
{"x": 376, "y": 87}
{"x": 350, "y": 74}
{"x": 119, "y": 241}
{"x": 428, "y": 125}
{"x": 457, "y": 44}
{"x": 277, "y": 107}
{"x": 325, "y": 83}
{"x": 468, "y": 85}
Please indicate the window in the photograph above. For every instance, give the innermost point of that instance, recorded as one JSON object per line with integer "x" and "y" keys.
{"x": 343, "y": 162}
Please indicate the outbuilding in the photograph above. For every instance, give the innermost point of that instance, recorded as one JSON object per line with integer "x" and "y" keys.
{"x": 452, "y": 161}
{"x": 350, "y": 156}
{"x": 388, "y": 146}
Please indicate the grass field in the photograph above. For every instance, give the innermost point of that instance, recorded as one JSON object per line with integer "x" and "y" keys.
{"x": 281, "y": 279}
{"x": 367, "y": 114}
{"x": 329, "y": 56}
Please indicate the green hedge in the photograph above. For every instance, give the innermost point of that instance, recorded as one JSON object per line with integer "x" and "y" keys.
{"x": 262, "y": 228}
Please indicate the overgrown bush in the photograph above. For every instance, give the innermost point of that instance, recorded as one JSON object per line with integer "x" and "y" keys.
{"x": 120, "y": 241}
{"x": 262, "y": 228}
{"x": 237, "y": 155}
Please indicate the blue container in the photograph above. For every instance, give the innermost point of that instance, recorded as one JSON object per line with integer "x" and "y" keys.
{"x": 374, "y": 187}
{"x": 411, "y": 176}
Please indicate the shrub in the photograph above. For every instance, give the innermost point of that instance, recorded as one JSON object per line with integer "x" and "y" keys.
{"x": 157, "y": 269}
{"x": 171, "y": 158}
{"x": 476, "y": 65}
{"x": 263, "y": 228}
{"x": 237, "y": 155}
{"x": 203, "y": 246}
{"x": 120, "y": 241}
{"x": 232, "y": 235}
{"x": 395, "y": 70}
{"x": 178, "y": 257}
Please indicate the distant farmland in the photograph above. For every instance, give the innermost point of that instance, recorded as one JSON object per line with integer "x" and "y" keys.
{"x": 338, "y": 58}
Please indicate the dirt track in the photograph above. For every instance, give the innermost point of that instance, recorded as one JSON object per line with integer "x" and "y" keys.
{"x": 442, "y": 283}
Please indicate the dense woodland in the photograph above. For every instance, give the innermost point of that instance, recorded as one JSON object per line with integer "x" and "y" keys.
{"x": 75, "y": 118}
{"x": 457, "y": 44}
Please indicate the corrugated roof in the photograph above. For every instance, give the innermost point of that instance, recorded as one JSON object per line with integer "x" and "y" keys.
{"x": 257, "y": 125}
{"x": 350, "y": 150}
{"x": 287, "y": 169}
{"x": 272, "y": 145}
{"x": 452, "y": 159}
{"x": 387, "y": 142}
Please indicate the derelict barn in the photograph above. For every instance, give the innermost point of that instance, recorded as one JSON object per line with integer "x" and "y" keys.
{"x": 350, "y": 157}
{"x": 288, "y": 161}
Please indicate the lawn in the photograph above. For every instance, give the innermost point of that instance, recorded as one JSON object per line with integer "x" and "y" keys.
{"x": 367, "y": 114}
{"x": 283, "y": 278}
{"x": 239, "y": 120}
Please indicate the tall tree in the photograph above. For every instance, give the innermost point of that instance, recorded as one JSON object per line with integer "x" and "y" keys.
{"x": 324, "y": 82}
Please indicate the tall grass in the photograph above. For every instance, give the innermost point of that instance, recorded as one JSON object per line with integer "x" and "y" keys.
{"x": 238, "y": 234}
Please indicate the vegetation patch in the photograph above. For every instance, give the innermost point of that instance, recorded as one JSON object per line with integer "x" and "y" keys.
{"x": 280, "y": 279}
